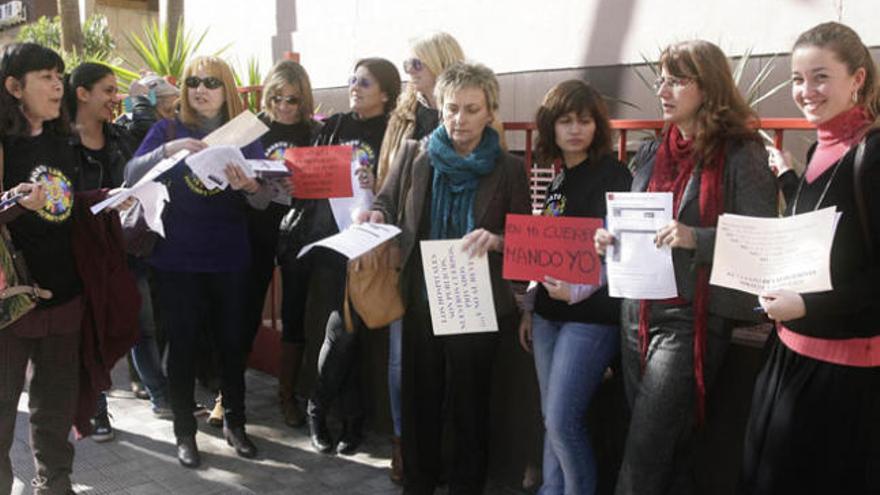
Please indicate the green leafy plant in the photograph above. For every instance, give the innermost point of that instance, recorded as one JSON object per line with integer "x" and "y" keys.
{"x": 254, "y": 78}
{"x": 98, "y": 43}
{"x": 159, "y": 55}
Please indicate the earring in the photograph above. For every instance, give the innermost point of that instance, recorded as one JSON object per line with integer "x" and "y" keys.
{"x": 855, "y": 96}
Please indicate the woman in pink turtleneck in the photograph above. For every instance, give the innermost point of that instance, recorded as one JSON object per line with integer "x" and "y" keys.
{"x": 815, "y": 418}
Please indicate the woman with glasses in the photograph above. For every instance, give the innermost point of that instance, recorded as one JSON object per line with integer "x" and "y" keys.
{"x": 288, "y": 104}
{"x": 712, "y": 162}
{"x": 202, "y": 263}
{"x": 373, "y": 91}
{"x": 415, "y": 117}
{"x": 815, "y": 416}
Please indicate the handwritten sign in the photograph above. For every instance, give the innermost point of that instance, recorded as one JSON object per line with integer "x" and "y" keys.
{"x": 459, "y": 289}
{"x": 320, "y": 172}
{"x": 561, "y": 247}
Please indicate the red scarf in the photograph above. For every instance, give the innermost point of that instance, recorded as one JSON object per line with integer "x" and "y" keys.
{"x": 674, "y": 165}
{"x": 835, "y": 138}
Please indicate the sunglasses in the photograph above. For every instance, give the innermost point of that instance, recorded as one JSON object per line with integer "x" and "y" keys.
{"x": 290, "y": 100}
{"x": 413, "y": 65}
{"x": 210, "y": 82}
{"x": 363, "y": 82}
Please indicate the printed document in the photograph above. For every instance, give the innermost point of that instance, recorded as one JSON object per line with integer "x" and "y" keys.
{"x": 355, "y": 240}
{"x": 636, "y": 268}
{"x": 758, "y": 254}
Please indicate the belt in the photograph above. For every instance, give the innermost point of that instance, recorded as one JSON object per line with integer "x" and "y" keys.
{"x": 858, "y": 352}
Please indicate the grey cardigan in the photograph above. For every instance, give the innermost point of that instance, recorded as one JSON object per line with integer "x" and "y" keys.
{"x": 749, "y": 189}
{"x": 405, "y": 195}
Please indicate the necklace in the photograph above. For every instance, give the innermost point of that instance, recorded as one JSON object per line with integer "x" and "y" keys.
{"x": 797, "y": 195}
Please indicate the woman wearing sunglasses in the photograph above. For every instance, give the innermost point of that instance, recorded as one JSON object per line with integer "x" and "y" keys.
{"x": 288, "y": 103}
{"x": 712, "y": 162}
{"x": 202, "y": 263}
{"x": 373, "y": 91}
{"x": 415, "y": 117}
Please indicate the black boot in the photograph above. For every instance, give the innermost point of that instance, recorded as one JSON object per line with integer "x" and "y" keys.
{"x": 238, "y": 439}
{"x": 352, "y": 436}
{"x": 188, "y": 452}
{"x": 320, "y": 435}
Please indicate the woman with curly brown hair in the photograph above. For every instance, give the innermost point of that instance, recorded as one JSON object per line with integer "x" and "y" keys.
{"x": 712, "y": 162}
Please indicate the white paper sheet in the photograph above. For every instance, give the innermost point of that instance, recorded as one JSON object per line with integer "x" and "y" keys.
{"x": 345, "y": 209}
{"x": 269, "y": 169}
{"x": 636, "y": 268}
{"x": 459, "y": 289}
{"x": 758, "y": 254}
{"x": 209, "y": 165}
{"x": 240, "y": 131}
{"x": 355, "y": 240}
{"x": 153, "y": 196}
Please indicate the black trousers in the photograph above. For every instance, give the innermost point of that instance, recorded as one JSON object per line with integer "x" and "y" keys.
{"x": 53, "y": 383}
{"x": 338, "y": 379}
{"x": 192, "y": 302}
{"x": 445, "y": 375}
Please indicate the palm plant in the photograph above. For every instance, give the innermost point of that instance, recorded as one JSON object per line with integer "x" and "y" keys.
{"x": 254, "y": 78}
{"x": 159, "y": 55}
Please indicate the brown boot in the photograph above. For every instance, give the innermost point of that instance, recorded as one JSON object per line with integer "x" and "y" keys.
{"x": 291, "y": 361}
{"x": 396, "y": 474}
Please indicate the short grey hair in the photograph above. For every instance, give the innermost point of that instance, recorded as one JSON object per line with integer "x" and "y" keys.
{"x": 467, "y": 75}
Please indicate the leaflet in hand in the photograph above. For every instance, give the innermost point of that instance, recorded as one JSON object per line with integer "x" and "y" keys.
{"x": 636, "y": 267}
{"x": 758, "y": 254}
{"x": 459, "y": 289}
{"x": 209, "y": 165}
{"x": 355, "y": 240}
{"x": 240, "y": 131}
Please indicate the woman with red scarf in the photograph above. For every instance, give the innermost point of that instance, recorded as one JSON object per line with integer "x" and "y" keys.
{"x": 815, "y": 418}
{"x": 713, "y": 163}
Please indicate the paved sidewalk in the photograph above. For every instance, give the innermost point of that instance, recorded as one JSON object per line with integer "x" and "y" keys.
{"x": 142, "y": 459}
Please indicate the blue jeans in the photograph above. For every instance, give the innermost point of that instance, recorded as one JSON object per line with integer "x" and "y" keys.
{"x": 570, "y": 358}
{"x": 145, "y": 354}
{"x": 395, "y": 341}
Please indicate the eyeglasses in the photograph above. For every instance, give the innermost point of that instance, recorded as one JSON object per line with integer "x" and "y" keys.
{"x": 413, "y": 65}
{"x": 210, "y": 82}
{"x": 672, "y": 82}
{"x": 363, "y": 82}
{"x": 290, "y": 100}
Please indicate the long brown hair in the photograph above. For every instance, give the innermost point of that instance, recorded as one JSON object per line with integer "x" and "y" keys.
{"x": 849, "y": 49}
{"x": 292, "y": 73}
{"x": 724, "y": 113}
{"x": 571, "y": 96}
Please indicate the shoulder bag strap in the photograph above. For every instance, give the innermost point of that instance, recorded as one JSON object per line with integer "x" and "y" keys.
{"x": 859, "y": 193}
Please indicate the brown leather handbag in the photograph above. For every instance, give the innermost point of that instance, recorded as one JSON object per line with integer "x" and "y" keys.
{"x": 373, "y": 287}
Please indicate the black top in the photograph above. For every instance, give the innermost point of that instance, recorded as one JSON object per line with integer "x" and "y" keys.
{"x": 365, "y": 135}
{"x": 852, "y": 308}
{"x": 104, "y": 168}
{"x": 263, "y": 224}
{"x": 580, "y": 192}
{"x": 427, "y": 119}
{"x": 44, "y": 236}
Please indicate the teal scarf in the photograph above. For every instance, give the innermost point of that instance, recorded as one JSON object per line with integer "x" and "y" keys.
{"x": 456, "y": 179}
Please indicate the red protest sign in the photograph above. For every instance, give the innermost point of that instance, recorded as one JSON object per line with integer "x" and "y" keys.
{"x": 561, "y": 247}
{"x": 320, "y": 172}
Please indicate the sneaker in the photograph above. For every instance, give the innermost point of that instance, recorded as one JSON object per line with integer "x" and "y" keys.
{"x": 101, "y": 429}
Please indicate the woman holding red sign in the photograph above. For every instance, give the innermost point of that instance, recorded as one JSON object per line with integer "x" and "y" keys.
{"x": 713, "y": 162}
{"x": 572, "y": 328}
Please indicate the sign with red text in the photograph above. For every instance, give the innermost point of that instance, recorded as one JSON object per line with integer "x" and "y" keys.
{"x": 561, "y": 247}
{"x": 320, "y": 172}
